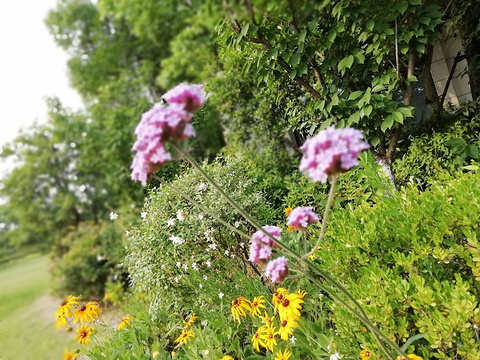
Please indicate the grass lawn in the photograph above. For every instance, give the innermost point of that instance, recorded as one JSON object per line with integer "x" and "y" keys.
{"x": 27, "y": 326}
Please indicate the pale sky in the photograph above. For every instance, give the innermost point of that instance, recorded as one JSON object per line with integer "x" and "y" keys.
{"x": 32, "y": 67}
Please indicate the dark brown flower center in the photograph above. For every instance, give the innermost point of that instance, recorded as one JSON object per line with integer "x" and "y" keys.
{"x": 285, "y": 302}
{"x": 284, "y": 323}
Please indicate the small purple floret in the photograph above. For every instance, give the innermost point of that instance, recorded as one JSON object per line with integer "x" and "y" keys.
{"x": 162, "y": 124}
{"x": 261, "y": 245}
{"x": 277, "y": 269}
{"x": 330, "y": 152}
{"x": 301, "y": 217}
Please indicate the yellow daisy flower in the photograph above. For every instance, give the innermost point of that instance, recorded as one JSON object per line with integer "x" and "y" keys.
{"x": 83, "y": 335}
{"x": 291, "y": 228}
{"x": 365, "y": 354}
{"x": 277, "y": 297}
{"x": 186, "y": 334}
{"x": 257, "y": 340}
{"x": 256, "y": 304}
{"x": 124, "y": 323}
{"x": 288, "y": 211}
{"x": 267, "y": 320}
{"x": 268, "y": 338}
{"x": 290, "y": 307}
{"x": 285, "y": 356}
{"x": 286, "y": 327}
{"x": 87, "y": 313}
{"x": 301, "y": 293}
{"x": 67, "y": 355}
{"x": 227, "y": 357}
{"x": 238, "y": 308}
{"x": 190, "y": 321}
{"x": 66, "y": 310}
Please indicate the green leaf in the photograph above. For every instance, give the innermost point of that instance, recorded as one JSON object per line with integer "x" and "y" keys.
{"x": 367, "y": 110}
{"x": 411, "y": 340}
{"x": 398, "y": 116}
{"x": 387, "y": 123}
{"x": 412, "y": 78}
{"x": 360, "y": 57}
{"x": 472, "y": 151}
{"x": 335, "y": 99}
{"x": 295, "y": 59}
{"x": 378, "y": 88}
{"x": 293, "y": 73}
{"x": 326, "y": 124}
{"x": 415, "y": 2}
{"x": 406, "y": 112}
{"x": 272, "y": 54}
{"x": 402, "y": 7}
{"x": 370, "y": 24}
{"x": 303, "y": 34}
{"x": 355, "y": 95}
{"x": 375, "y": 140}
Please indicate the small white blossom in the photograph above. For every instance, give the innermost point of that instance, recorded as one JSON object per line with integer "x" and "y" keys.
{"x": 181, "y": 215}
{"x": 202, "y": 186}
{"x": 185, "y": 267}
{"x": 177, "y": 240}
{"x": 162, "y": 267}
{"x": 200, "y": 286}
{"x": 127, "y": 233}
{"x": 208, "y": 263}
{"x": 194, "y": 266}
{"x": 178, "y": 264}
{"x": 221, "y": 295}
{"x": 143, "y": 214}
{"x": 200, "y": 216}
{"x": 242, "y": 244}
{"x": 227, "y": 252}
{"x": 205, "y": 277}
{"x": 335, "y": 356}
{"x": 293, "y": 339}
{"x": 113, "y": 216}
{"x": 232, "y": 256}
{"x": 171, "y": 222}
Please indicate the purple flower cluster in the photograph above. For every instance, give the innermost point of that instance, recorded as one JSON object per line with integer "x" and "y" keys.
{"x": 162, "y": 124}
{"x": 331, "y": 151}
{"x": 261, "y": 245}
{"x": 277, "y": 269}
{"x": 301, "y": 217}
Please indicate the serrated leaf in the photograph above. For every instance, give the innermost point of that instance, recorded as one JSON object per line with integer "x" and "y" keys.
{"x": 387, "y": 123}
{"x": 355, "y": 95}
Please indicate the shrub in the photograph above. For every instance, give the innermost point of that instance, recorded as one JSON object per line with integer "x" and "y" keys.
{"x": 181, "y": 253}
{"x": 412, "y": 260}
{"x": 86, "y": 258}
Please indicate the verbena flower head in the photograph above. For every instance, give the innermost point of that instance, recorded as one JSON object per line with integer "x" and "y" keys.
{"x": 261, "y": 245}
{"x": 301, "y": 217}
{"x": 277, "y": 269}
{"x": 330, "y": 152}
{"x": 191, "y": 96}
{"x": 162, "y": 124}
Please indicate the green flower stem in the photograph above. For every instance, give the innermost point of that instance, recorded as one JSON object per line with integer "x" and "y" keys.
{"x": 330, "y": 201}
{"x": 201, "y": 207}
{"x": 294, "y": 254}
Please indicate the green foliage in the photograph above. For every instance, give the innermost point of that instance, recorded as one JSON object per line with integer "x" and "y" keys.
{"x": 411, "y": 259}
{"x": 448, "y": 149}
{"x": 86, "y": 258}
{"x": 159, "y": 266}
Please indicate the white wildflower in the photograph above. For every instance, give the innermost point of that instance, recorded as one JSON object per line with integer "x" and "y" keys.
{"x": 143, "y": 214}
{"x": 113, "y": 216}
{"x": 181, "y": 215}
{"x": 171, "y": 222}
{"x": 293, "y": 339}
{"x": 177, "y": 240}
{"x": 221, "y": 295}
{"x": 208, "y": 263}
